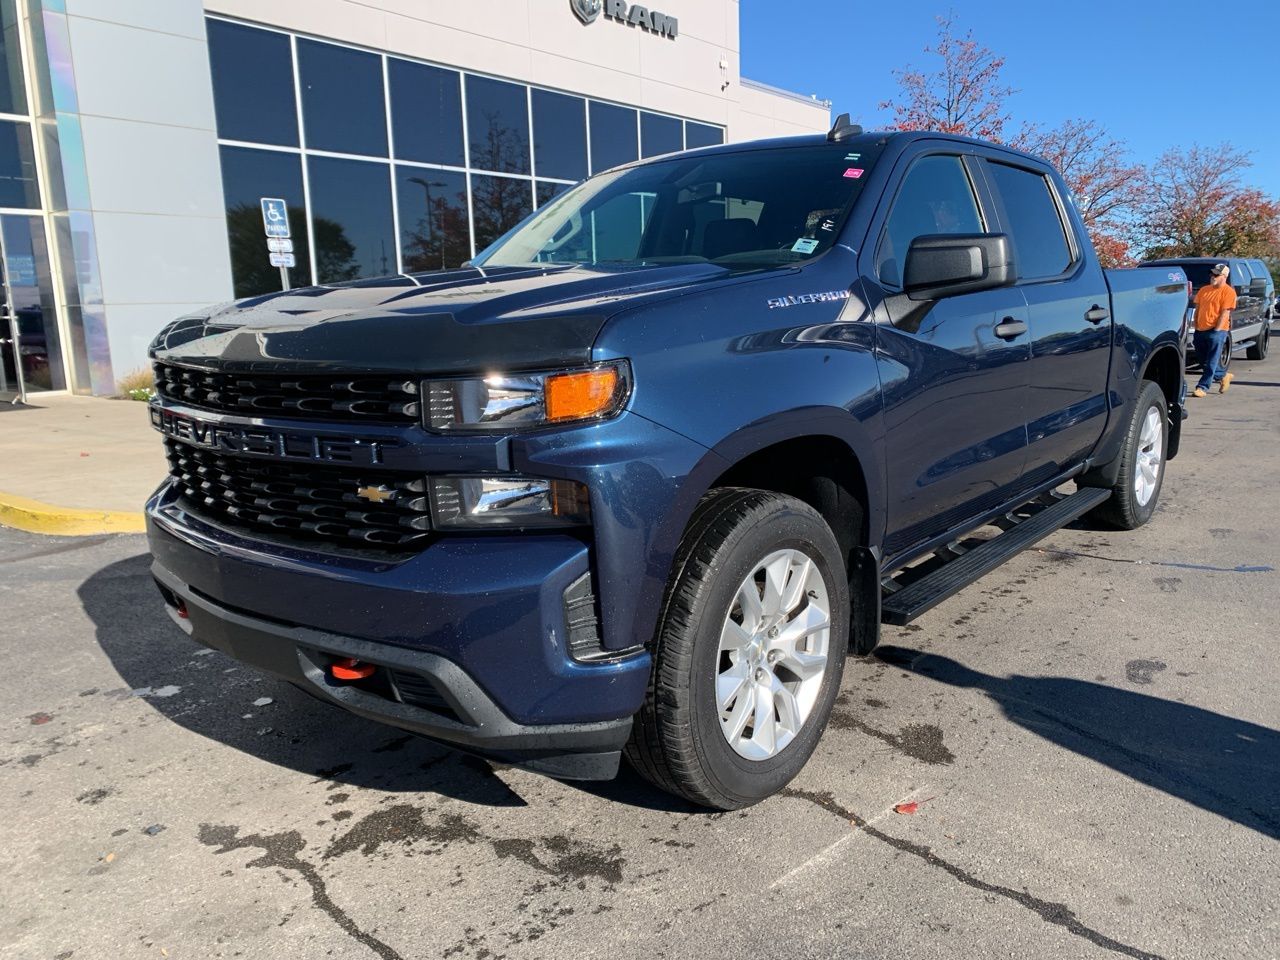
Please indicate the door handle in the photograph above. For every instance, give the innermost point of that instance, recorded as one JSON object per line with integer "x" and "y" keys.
{"x": 1097, "y": 314}
{"x": 1010, "y": 328}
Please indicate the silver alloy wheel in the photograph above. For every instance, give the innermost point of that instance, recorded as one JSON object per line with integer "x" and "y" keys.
{"x": 1150, "y": 458}
{"x": 773, "y": 654}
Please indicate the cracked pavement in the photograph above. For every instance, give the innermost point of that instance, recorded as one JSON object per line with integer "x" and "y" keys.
{"x": 1090, "y": 733}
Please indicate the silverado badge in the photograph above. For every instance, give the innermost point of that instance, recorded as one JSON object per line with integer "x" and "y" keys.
{"x": 378, "y": 494}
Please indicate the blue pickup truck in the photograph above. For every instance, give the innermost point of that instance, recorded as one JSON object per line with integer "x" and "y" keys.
{"x": 637, "y": 479}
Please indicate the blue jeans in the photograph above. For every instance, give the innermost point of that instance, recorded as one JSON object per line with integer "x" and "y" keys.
{"x": 1209, "y": 345}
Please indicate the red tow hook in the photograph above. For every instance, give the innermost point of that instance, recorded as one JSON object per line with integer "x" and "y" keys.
{"x": 350, "y": 669}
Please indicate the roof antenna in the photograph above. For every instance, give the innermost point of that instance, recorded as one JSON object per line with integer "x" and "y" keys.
{"x": 844, "y": 129}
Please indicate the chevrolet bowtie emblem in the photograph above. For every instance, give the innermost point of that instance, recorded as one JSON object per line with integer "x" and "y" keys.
{"x": 379, "y": 494}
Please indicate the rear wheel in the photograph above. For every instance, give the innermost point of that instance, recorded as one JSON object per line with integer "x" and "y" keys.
{"x": 1137, "y": 488}
{"x": 1258, "y": 351}
{"x": 749, "y": 652}
{"x": 1224, "y": 360}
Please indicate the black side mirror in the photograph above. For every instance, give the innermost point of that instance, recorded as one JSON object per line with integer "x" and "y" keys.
{"x": 947, "y": 265}
{"x": 1258, "y": 288}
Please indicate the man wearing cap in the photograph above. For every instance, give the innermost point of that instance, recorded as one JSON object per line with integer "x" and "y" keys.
{"x": 1214, "y": 303}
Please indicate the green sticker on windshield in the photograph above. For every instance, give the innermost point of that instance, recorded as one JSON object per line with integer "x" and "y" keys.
{"x": 804, "y": 245}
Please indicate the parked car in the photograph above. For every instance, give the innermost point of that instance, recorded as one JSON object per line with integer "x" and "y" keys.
{"x": 1260, "y": 272}
{"x": 1249, "y": 327}
{"x": 639, "y": 478}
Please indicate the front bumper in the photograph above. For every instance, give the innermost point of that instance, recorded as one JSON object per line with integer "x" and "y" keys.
{"x": 477, "y": 625}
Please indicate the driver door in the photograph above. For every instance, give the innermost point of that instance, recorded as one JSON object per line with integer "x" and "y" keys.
{"x": 954, "y": 389}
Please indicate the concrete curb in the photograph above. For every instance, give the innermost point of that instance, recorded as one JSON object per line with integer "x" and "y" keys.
{"x": 36, "y": 517}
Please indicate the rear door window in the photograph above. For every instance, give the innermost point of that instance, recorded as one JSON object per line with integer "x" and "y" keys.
{"x": 1240, "y": 275}
{"x": 1033, "y": 221}
{"x": 936, "y": 197}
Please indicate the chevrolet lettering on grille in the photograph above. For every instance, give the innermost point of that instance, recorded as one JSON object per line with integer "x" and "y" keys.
{"x": 264, "y": 441}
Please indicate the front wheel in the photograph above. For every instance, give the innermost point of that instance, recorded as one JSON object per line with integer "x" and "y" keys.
{"x": 749, "y": 652}
{"x": 1137, "y": 488}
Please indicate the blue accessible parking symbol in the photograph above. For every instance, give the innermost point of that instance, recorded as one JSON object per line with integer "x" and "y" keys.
{"x": 275, "y": 217}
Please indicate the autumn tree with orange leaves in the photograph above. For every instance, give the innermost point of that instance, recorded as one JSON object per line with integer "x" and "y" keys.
{"x": 963, "y": 95}
{"x": 1198, "y": 206}
{"x": 1190, "y": 203}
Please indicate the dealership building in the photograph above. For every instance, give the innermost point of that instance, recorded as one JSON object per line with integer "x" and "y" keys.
{"x": 138, "y": 139}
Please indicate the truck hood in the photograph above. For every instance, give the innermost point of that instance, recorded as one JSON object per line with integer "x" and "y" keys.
{"x": 451, "y": 321}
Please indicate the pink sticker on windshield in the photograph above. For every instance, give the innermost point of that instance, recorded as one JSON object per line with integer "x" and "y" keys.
{"x": 853, "y": 173}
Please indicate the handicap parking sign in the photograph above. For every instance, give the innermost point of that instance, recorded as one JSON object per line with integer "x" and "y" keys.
{"x": 275, "y": 217}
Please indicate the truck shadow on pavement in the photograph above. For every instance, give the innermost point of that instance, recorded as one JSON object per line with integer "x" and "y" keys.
{"x": 1225, "y": 766}
{"x": 214, "y": 696}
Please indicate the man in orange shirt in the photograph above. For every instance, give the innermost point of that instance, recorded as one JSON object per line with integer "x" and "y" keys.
{"x": 1214, "y": 303}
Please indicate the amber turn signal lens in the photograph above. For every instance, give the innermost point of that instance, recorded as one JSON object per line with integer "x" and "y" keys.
{"x": 580, "y": 396}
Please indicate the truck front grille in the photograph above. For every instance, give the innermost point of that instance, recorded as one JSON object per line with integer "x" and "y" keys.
{"x": 386, "y": 398}
{"x": 306, "y": 502}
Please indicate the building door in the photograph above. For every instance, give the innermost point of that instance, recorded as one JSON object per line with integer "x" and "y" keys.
{"x": 30, "y": 355}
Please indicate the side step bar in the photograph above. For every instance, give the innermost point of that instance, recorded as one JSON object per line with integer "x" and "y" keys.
{"x": 905, "y": 604}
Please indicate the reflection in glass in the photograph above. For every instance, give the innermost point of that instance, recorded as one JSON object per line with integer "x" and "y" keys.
{"x": 17, "y": 167}
{"x": 252, "y": 84}
{"x": 559, "y": 135}
{"x": 351, "y": 218}
{"x": 613, "y": 136}
{"x": 13, "y": 97}
{"x": 247, "y": 177}
{"x": 498, "y": 204}
{"x": 434, "y": 234}
{"x": 659, "y": 135}
{"x": 26, "y": 267}
{"x": 426, "y": 113}
{"x": 701, "y": 135}
{"x": 498, "y": 125}
{"x": 549, "y": 191}
{"x": 343, "y": 106}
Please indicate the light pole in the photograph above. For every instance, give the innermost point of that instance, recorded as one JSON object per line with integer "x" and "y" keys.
{"x": 431, "y": 224}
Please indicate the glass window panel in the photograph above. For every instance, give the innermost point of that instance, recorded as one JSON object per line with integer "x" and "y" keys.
{"x": 434, "y": 232}
{"x": 659, "y": 135}
{"x": 935, "y": 197}
{"x": 13, "y": 97}
{"x": 247, "y": 177}
{"x": 252, "y": 84}
{"x": 1039, "y": 241}
{"x": 498, "y": 204}
{"x": 426, "y": 113}
{"x": 17, "y": 167}
{"x": 559, "y": 135}
{"x": 702, "y": 135}
{"x": 549, "y": 191}
{"x": 613, "y": 136}
{"x": 26, "y": 267}
{"x": 342, "y": 99}
{"x": 498, "y": 125}
{"x": 351, "y": 219}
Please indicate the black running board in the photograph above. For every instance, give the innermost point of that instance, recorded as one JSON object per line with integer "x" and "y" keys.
{"x": 901, "y": 605}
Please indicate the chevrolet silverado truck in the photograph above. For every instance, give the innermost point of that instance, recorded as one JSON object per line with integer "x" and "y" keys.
{"x": 639, "y": 477}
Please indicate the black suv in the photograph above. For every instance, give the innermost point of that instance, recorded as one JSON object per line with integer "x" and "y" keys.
{"x": 1249, "y": 325}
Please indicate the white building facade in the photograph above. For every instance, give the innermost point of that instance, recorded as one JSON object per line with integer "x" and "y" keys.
{"x": 137, "y": 138}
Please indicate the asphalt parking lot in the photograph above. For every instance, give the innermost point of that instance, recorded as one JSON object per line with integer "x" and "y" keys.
{"x": 1093, "y": 727}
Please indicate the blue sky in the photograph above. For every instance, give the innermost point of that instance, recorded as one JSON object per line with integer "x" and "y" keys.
{"x": 1149, "y": 72}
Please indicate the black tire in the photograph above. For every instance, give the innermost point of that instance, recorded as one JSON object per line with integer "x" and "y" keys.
{"x": 1125, "y": 509}
{"x": 677, "y": 742}
{"x": 1258, "y": 351}
{"x": 1224, "y": 361}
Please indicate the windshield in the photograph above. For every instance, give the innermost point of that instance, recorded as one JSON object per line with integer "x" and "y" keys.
{"x": 748, "y": 210}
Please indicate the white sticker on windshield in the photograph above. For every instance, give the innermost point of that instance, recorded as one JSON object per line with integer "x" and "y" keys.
{"x": 804, "y": 245}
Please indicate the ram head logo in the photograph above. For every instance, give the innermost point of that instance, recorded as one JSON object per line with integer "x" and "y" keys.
{"x": 587, "y": 10}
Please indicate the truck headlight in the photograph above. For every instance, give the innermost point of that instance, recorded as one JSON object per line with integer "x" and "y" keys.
{"x": 519, "y": 401}
{"x": 507, "y": 502}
